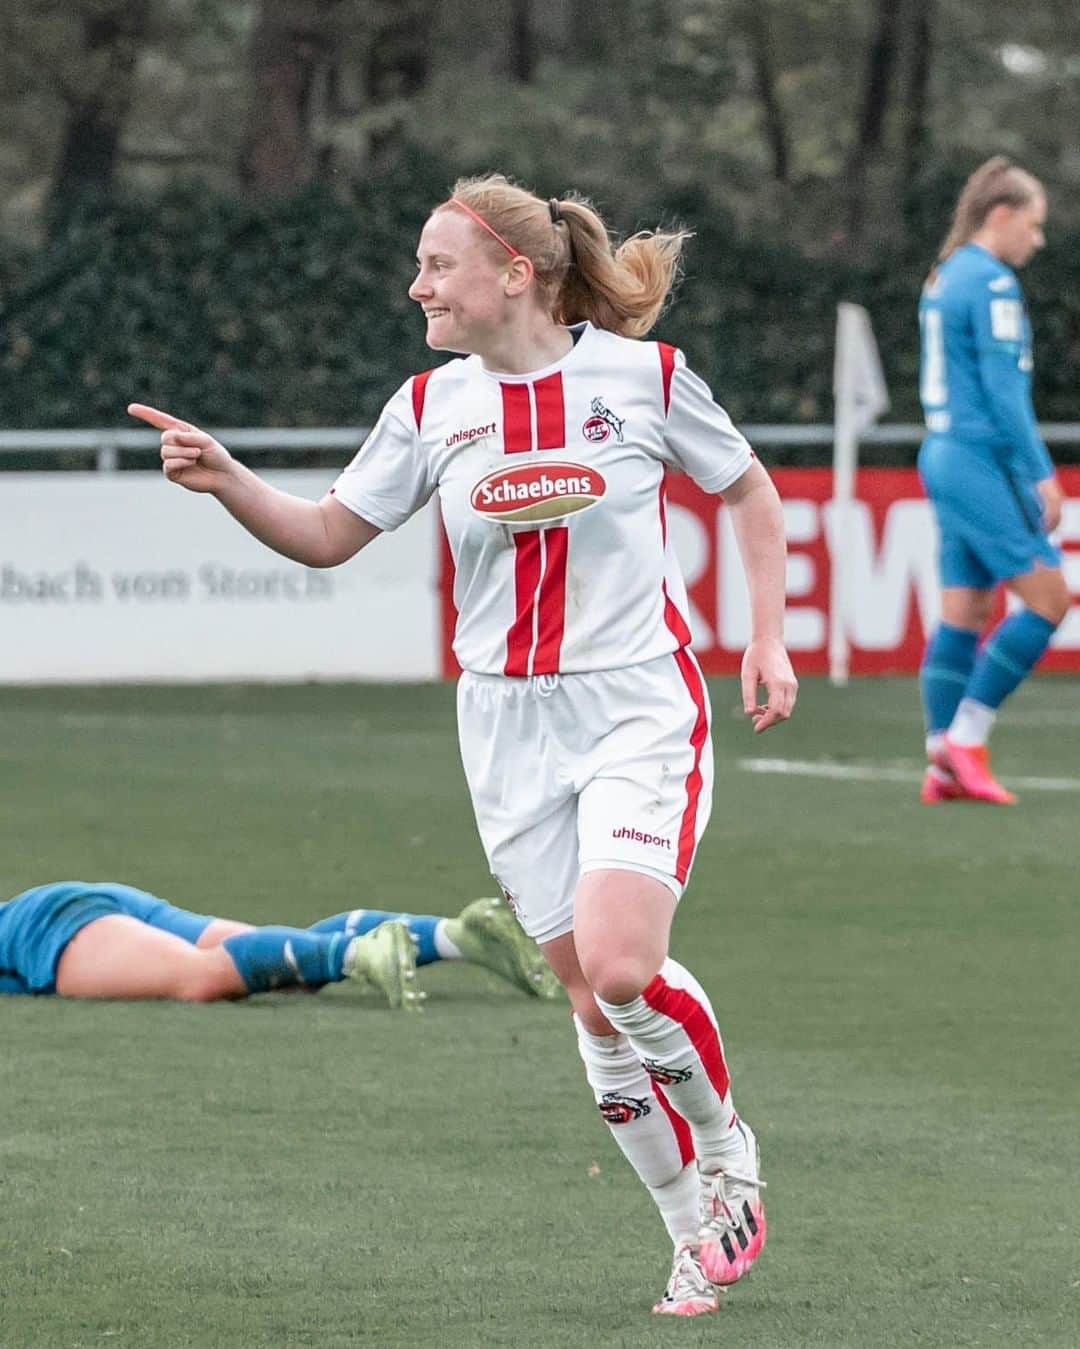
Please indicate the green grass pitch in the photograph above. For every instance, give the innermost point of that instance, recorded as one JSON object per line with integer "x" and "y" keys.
{"x": 897, "y": 986}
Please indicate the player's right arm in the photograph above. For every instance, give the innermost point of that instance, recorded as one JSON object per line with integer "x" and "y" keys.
{"x": 313, "y": 533}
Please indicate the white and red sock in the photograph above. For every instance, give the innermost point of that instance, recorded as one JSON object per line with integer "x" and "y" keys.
{"x": 672, "y": 1029}
{"x": 651, "y": 1136}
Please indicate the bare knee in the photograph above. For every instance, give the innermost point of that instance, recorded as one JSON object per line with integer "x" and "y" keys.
{"x": 209, "y": 980}
{"x": 1045, "y": 592}
{"x": 619, "y": 979}
{"x": 1053, "y": 607}
{"x": 971, "y": 609}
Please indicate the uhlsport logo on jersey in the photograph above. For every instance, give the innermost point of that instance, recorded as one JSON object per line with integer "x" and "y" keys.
{"x": 528, "y": 492}
{"x": 470, "y": 434}
{"x": 600, "y": 425}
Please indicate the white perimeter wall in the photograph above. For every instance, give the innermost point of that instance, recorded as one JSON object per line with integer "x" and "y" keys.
{"x": 126, "y": 577}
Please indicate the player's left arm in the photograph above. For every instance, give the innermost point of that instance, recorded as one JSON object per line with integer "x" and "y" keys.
{"x": 699, "y": 439}
{"x": 1002, "y": 333}
{"x": 758, "y": 520}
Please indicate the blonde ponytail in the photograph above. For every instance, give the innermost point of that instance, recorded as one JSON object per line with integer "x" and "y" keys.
{"x": 998, "y": 182}
{"x": 581, "y": 276}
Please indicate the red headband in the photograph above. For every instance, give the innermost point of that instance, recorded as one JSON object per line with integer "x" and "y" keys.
{"x": 456, "y": 201}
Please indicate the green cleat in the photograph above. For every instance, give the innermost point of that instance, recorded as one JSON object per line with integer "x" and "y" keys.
{"x": 385, "y": 959}
{"x": 487, "y": 933}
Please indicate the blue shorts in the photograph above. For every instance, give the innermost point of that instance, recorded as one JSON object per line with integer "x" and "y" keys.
{"x": 990, "y": 524}
{"x": 37, "y": 925}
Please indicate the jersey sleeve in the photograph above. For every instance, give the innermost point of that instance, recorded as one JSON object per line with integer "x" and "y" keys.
{"x": 699, "y": 437}
{"x": 390, "y": 477}
{"x": 1001, "y": 333}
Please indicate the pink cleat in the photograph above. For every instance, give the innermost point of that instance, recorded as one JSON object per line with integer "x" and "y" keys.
{"x": 689, "y": 1293}
{"x": 971, "y": 767}
{"x": 733, "y": 1229}
{"x": 939, "y": 786}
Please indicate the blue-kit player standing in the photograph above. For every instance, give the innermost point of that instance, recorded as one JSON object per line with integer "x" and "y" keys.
{"x": 989, "y": 478}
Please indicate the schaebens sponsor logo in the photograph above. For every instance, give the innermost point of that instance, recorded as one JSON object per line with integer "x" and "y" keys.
{"x": 528, "y": 492}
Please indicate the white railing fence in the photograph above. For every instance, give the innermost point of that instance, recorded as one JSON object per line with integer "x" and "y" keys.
{"x": 104, "y": 446}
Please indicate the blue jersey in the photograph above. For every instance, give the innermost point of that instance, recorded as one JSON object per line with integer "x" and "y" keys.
{"x": 975, "y": 372}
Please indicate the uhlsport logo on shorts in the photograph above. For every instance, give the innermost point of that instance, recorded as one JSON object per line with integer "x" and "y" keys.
{"x": 530, "y": 492}
{"x": 640, "y": 836}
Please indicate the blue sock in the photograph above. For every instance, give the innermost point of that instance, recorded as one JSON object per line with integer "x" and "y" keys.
{"x": 358, "y": 921}
{"x": 283, "y": 957}
{"x": 946, "y": 669}
{"x": 1008, "y": 656}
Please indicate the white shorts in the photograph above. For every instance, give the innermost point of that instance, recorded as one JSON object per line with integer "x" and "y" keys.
{"x": 579, "y": 772}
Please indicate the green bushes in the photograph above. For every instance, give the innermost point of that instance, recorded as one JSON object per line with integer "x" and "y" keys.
{"x": 296, "y": 313}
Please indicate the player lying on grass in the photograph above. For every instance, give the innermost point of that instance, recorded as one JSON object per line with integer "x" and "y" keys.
{"x": 106, "y": 940}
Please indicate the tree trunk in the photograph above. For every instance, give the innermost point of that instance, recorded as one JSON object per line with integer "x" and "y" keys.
{"x": 522, "y": 48}
{"x": 290, "y": 44}
{"x": 90, "y": 146}
{"x": 873, "y": 105}
{"x": 399, "y": 55}
{"x": 916, "y": 137}
{"x": 776, "y": 132}
{"x": 397, "y": 67}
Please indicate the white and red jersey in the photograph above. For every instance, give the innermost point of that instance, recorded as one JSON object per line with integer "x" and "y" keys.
{"x": 552, "y": 493}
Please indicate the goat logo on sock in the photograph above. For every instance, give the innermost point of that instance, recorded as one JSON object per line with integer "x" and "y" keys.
{"x": 619, "y": 1109}
{"x": 666, "y": 1076}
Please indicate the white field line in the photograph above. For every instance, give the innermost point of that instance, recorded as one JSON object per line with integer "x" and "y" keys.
{"x": 866, "y": 772}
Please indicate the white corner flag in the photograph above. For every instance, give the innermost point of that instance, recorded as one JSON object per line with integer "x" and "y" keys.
{"x": 860, "y": 398}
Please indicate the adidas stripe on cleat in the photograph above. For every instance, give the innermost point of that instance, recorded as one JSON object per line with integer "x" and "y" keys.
{"x": 733, "y": 1227}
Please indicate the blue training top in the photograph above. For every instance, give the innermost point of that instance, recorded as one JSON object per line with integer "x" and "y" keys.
{"x": 976, "y": 363}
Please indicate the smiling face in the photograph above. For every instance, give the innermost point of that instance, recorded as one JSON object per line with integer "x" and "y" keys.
{"x": 461, "y": 284}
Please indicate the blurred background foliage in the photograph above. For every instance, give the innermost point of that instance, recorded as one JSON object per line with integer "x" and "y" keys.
{"x": 213, "y": 203}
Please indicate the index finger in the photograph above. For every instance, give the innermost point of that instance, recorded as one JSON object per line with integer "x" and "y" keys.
{"x": 164, "y": 421}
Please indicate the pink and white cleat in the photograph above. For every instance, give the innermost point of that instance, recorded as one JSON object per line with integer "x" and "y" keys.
{"x": 940, "y": 785}
{"x": 689, "y": 1292}
{"x": 732, "y": 1233}
{"x": 971, "y": 767}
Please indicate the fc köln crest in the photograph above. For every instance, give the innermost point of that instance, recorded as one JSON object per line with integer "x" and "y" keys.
{"x": 602, "y": 423}
{"x": 664, "y": 1075}
{"x": 619, "y": 1109}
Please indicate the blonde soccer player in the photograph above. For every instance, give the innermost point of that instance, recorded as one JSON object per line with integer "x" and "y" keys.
{"x": 989, "y": 477}
{"x": 583, "y": 715}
